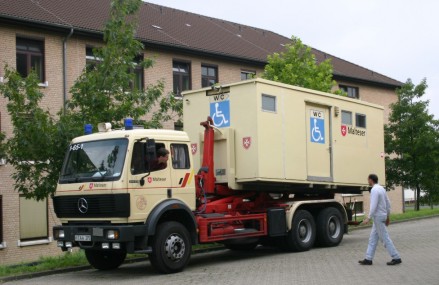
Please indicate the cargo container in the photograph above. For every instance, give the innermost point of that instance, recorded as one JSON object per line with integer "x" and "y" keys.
{"x": 287, "y": 136}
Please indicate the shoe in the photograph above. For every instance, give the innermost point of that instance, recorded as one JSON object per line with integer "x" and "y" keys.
{"x": 394, "y": 261}
{"x": 365, "y": 262}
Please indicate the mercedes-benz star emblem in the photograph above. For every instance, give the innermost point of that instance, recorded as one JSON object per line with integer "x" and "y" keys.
{"x": 82, "y": 205}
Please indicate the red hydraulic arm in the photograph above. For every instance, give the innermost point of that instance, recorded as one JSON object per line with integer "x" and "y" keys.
{"x": 206, "y": 173}
{"x": 224, "y": 213}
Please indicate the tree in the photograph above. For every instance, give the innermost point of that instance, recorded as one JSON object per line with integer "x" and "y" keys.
{"x": 103, "y": 93}
{"x": 431, "y": 184}
{"x": 410, "y": 140}
{"x": 36, "y": 147}
{"x": 297, "y": 65}
{"x": 107, "y": 86}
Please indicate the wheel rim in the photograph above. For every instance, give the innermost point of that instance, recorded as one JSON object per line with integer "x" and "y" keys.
{"x": 305, "y": 231}
{"x": 334, "y": 227}
{"x": 175, "y": 247}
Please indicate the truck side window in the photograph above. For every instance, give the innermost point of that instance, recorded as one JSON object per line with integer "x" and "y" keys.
{"x": 139, "y": 164}
{"x": 180, "y": 156}
{"x": 161, "y": 161}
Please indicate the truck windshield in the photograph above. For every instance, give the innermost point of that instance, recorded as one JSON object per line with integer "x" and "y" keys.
{"x": 94, "y": 161}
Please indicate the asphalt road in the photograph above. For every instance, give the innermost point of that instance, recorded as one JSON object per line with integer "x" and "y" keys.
{"x": 417, "y": 242}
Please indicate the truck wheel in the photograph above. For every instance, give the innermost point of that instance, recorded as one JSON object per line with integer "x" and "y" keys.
{"x": 302, "y": 235}
{"x": 105, "y": 260}
{"x": 329, "y": 227}
{"x": 171, "y": 248}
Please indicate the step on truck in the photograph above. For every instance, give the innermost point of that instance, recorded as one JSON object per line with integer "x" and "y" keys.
{"x": 263, "y": 168}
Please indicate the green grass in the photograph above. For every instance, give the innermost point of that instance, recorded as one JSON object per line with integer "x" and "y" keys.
{"x": 412, "y": 214}
{"x": 45, "y": 264}
{"x": 66, "y": 260}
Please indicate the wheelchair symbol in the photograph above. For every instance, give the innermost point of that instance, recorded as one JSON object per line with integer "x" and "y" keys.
{"x": 218, "y": 117}
{"x": 316, "y": 133}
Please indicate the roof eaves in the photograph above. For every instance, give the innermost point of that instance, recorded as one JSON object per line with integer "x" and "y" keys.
{"x": 329, "y": 56}
{"x": 364, "y": 81}
{"x": 196, "y": 51}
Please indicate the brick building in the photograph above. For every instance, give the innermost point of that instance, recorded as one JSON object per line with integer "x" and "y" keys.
{"x": 191, "y": 51}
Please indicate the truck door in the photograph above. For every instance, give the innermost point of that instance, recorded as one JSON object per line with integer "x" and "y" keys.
{"x": 181, "y": 173}
{"x": 318, "y": 142}
{"x": 156, "y": 182}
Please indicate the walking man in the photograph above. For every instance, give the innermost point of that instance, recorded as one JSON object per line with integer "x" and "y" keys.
{"x": 379, "y": 212}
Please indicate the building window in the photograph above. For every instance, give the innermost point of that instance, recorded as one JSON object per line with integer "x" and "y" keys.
{"x": 90, "y": 59}
{"x": 30, "y": 57}
{"x": 33, "y": 219}
{"x": 247, "y": 74}
{"x": 178, "y": 126}
{"x": 180, "y": 156}
{"x": 346, "y": 118}
{"x": 351, "y": 91}
{"x": 360, "y": 120}
{"x": 268, "y": 103}
{"x": 181, "y": 76}
{"x": 356, "y": 207}
{"x": 209, "y": 75}
{"x": 137, "y": 84}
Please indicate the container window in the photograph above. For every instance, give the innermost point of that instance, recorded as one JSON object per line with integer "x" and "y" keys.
{"x": 268, "y": 103}
{"x": 360, "y": 120}
{"x": 346, "y": 118}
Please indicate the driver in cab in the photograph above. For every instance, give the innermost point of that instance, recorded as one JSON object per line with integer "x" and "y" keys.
{"x": 161, "y": 162}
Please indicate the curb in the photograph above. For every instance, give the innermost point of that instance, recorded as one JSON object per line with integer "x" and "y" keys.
{"x": 86, "y": 267}
{"x": 354, "y": 228}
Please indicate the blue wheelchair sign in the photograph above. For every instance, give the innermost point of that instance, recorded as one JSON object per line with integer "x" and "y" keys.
{"x": 220, "y": 113}
{"x": 317, "y": 128}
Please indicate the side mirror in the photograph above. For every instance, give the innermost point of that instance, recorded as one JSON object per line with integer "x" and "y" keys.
{"x": 150, "y": 155}
{"x": 150, "y": 150}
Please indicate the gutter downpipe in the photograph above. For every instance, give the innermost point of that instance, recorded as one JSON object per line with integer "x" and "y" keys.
{"x": 65, "y": 68}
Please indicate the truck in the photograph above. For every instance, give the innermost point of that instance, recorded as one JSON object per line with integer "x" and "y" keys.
{"x": 259, "y": 163}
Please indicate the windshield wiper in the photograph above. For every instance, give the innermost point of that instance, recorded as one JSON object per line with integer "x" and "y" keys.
{"x": 71, "y": 180}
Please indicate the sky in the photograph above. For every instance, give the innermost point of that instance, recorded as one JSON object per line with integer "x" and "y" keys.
{"x": 397, "y": 38}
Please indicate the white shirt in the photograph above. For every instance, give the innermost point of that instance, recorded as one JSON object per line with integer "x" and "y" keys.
{"x": 379, "y": 202}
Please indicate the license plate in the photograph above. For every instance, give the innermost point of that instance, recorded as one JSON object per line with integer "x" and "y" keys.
{"x": 82, "y": 237}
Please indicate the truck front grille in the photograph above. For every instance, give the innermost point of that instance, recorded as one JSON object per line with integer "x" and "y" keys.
{"x": 92, "y": 206}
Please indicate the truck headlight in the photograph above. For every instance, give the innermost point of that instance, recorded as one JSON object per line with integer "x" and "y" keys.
{"x": 59, "y": 234}
{"x": 112, "y": 234}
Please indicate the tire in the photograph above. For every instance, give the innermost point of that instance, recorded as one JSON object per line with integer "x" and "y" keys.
{"x": 105, "y": 260}
{"x": 302, "y": 235}
{"x": 329, "y": 227}
{"x": 171, "y": 248}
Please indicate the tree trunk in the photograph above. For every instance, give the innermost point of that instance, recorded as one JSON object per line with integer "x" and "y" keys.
{"x": 418, "y": 196}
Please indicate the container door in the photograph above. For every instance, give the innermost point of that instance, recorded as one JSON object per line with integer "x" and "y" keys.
{"x": 318, "y": 142}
